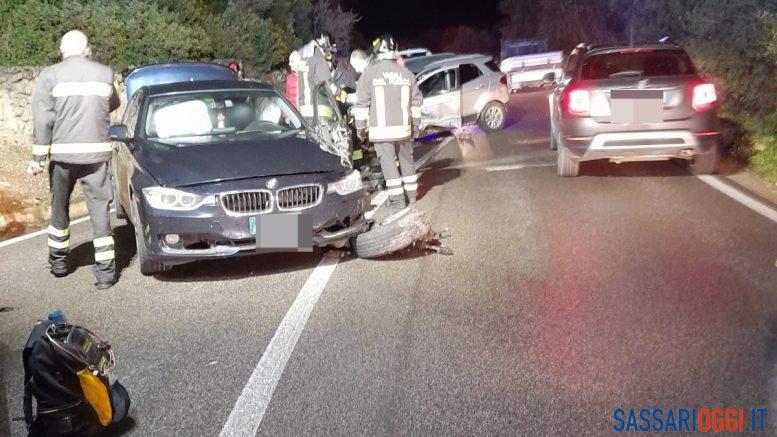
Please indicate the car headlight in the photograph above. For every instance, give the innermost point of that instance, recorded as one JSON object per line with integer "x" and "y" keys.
{"x": 347, "y": 185}
{"x": 172, "y": 199}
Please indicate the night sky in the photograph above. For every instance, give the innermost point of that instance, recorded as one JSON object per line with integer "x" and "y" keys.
{"x": 419, "y": 20}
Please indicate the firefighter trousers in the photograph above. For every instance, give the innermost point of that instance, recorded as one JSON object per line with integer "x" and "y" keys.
{"x": 98, "y": 193}
{"x": 389, "y": 153}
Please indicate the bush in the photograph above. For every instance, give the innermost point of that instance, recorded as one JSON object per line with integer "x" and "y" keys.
{"x": 133, "y": 33}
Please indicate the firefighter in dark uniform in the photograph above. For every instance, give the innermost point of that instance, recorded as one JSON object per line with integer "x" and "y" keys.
{"x": 312, "y": 69}
{"x": 70, "y": 109}
{"x": 388, "y": 113}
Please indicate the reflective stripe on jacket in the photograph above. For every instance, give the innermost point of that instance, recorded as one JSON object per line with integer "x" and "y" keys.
{"x": 71, "y": 104}
{"x": 388, "y": 102}
{"x": 311, "y": 71}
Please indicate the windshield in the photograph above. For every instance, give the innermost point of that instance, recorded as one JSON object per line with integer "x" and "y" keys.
{"x": 637, "y": 63}
{"x": 210, "y": 116}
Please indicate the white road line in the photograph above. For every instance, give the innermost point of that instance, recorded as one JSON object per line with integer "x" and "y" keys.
{"x": 754, "y": 204}
{"x": 21, "y": 238}
{"x": 250, "y": 407}
{"x": 516, "y": 166}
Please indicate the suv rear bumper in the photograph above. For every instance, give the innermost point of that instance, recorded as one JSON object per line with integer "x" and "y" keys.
{"x": 588, "y": 139}
{"x": 641, "y": 146}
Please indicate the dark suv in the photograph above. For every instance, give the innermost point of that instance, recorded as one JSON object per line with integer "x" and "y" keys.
{"x": 632, "y": 103}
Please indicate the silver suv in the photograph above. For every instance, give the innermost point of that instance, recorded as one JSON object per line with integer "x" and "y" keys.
{"x": 460, "y": 90}
{"x": 632, "y": 103}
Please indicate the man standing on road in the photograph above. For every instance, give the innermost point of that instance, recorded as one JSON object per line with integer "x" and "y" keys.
{"x": 70, "y": 107}
{"x": 312, "y": 69}
{"x": 388, "y": 112}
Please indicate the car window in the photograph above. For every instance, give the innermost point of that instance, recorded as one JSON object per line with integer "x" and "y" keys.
{"x": 130, "y": 118}
{"x": 327, "y": 113}
{"x": 469, "y": 72}
{"x": 637, "y": 63}
{"x": 492, "y": 66}
{"x": 439, "y": 83}
{"x": 571, "y": 65}
{"x": 217, "y": 115}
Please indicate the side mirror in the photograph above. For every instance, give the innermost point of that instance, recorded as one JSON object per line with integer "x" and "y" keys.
{"x": 549, "y": 78}
{"x": 119, "y": 133}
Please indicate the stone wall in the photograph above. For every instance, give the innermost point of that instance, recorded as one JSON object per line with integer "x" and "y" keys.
{"x": 16, "y": 85}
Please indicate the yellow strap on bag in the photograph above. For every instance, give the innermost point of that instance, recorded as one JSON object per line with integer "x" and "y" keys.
{"x": 97, "y": 395}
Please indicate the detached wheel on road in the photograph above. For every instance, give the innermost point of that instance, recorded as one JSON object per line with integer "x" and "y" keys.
{"x": 148, "y": 266}
{"x": 390, "y": 237}
{"x": 705, "y": 163}
{"x": 565, "y": 165}
{"x": 492, "y": 117}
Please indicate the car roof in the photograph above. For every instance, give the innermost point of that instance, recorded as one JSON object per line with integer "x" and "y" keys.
{"x": 454, "y": 60}
{"x": 176, "y": 72}
{"x": 207, "y": 85}
{"x": 612, "y": 48}
{"x": 417, "y": 64}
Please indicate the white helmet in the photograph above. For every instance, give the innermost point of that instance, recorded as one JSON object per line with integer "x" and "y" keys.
{"x": 294, "y": 59}
{"x": 359, "y": 60}
{"x": 74, "y": 43}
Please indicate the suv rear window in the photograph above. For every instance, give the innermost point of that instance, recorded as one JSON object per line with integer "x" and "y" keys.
{"x": 636, "y": 63}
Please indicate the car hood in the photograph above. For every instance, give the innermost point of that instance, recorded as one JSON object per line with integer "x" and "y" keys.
{"x": 175, "y": 165}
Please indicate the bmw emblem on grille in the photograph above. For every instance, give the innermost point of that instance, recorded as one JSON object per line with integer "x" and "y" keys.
{"x": 272, "y": 183}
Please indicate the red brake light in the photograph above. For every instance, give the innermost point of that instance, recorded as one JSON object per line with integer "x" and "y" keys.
{"x": 503, "y": 80}
{"x": 579, "y": 101}
{"x": 704, "y": 96}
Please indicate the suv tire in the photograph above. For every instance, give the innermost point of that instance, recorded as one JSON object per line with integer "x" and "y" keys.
{"x": 704, "y": 163}
{"x": 553, "y": 142}
{"x": 565, "y": 165}
{"x": 492, "y": 117}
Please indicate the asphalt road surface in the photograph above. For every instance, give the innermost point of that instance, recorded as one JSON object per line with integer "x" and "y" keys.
{"x": 633, "y": 285}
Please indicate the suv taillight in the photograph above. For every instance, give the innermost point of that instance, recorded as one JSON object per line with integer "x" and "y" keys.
{"x": 704, "y": 96}
{"x": 579, "y": 102}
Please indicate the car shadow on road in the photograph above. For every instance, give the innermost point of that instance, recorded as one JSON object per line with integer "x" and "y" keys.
{"x": 124, "y": 239}
{"x": 604, "y": 168}
{"x": 242, "y": 267}
{"x": 435, "y": 174}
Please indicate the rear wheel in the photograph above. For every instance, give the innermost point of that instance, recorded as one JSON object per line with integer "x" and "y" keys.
{"x": 553, "y": 143}
{"x": 565, "y": 165}
{"x": 492, "y": 117}
{"x": 148, "y": 266}
{"x": 704, "y": 163}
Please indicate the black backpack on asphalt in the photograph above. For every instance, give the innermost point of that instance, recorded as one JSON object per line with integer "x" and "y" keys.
{"x": 68, "y": 371}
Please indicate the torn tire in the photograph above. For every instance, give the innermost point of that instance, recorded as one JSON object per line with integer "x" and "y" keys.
{"x": 390, "y": 237}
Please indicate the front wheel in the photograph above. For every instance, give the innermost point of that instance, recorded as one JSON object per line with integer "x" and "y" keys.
{"x": 492, "y": 117}
{"x": 148, "y": 266}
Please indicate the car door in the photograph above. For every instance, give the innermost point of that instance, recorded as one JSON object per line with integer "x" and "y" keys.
{"x": 442, "y": 98}
{"x": 330, "y": 125}
{"x": 123, "y": 161}
{"x": 474, "y": 84}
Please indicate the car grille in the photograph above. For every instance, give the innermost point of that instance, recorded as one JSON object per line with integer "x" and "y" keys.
{"x": 247, "y": 202}
{"x": 299, "y": 197}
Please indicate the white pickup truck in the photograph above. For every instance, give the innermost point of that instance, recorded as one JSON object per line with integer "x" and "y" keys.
{"x": 526, "y": 61}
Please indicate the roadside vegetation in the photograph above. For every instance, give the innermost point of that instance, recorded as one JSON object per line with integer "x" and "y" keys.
{"x": 126, "y": 34}
{"x": 733, "y": 42}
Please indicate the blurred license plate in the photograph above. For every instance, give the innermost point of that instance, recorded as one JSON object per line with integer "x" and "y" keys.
{"x": 282, "y": 232}
{"x": 637, "y": 106}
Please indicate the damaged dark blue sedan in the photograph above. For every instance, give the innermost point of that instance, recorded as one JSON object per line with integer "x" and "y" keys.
{"x": 209, "y": 169}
